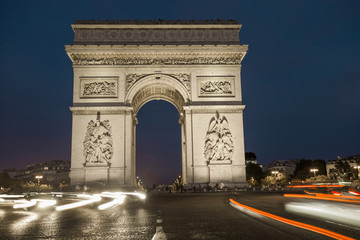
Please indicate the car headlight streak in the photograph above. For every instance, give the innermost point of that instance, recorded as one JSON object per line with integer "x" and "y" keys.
{"x": 92, "y": 199}
{"x": 116, "y": 198}
{"x": 23, "y": 204}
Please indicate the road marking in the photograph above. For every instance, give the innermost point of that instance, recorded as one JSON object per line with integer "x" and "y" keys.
{"x": 292, "y": 222}
{"x": 159, "y": 234}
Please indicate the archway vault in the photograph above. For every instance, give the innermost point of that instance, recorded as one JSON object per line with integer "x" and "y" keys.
{"x": 158, "y": 87}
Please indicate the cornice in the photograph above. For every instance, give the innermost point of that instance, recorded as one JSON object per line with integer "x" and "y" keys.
{"x": 214, "y": 109}
{"x": 155, "y": 26}
{"x": 182, "y": 58}
{"x": 103, "y": 110}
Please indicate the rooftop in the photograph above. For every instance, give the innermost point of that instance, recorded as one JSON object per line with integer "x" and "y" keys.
{"x": 158, "y": 22}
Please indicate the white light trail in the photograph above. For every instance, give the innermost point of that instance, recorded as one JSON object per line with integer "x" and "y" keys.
{"x": 43, "y": 203}
{"x": 116, "y": 201}
{"x": 342, "y": 213}
{"x": 92, "y": 199}
{"x": 23, "y": 204}
{"x": 139, "y": 195}
{"x": 11, "y": 196}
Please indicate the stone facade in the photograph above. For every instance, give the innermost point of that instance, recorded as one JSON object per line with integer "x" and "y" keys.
{"x": 120, "y": 67}
{"x": 285, "y": 166}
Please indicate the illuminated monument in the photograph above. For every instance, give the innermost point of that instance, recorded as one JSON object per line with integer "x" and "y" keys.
{"x": 120, "y": 65}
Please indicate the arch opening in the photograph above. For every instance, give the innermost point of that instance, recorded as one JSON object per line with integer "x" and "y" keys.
{"x": 158, "y": 143}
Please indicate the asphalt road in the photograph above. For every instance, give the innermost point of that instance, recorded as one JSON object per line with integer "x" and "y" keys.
{"x": 174, "y": 216}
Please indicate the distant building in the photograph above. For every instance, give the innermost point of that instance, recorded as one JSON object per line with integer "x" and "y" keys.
{"x": 354, "y": 161}
{"x": 12, "y": 172}
{"x": 52, "y": 172}
{"x": 285, "y": 166}
{"x": 250, "y": 158}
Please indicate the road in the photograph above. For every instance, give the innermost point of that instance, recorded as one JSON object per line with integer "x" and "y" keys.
{"x": 175, "y": 216}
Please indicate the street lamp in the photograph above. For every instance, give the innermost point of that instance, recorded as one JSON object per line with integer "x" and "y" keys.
{"x": 314, "y": 170}
{"x": 38, "y": 178}
{"x": 275, "y": 172}
{"x": 358, "y": 167}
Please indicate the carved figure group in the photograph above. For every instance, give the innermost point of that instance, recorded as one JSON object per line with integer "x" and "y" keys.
{"x": 98, "y": 142}
{"x": 218, "y": 142}
{"x": 217, "y": 87}
{"x": 99, "y": 88}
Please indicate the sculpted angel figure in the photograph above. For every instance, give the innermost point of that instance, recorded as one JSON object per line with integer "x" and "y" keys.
{"x": 218, "y": 141}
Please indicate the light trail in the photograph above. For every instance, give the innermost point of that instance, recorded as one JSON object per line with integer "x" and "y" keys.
{"x": 139, "y": 195}
{"x": 343, "y": 213}
{"x": 327, "y": 197}
{"x": 292, "y": 222}
{"x": 116, "y": 201}
{"x": 11, "y": 196}
{"x": 23, "y": 204}
{"x": 92, "y": 199}
{"x": 43, "y": 203}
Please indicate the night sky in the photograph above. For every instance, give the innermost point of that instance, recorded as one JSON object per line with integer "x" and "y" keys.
{"x": 300, "y": 79}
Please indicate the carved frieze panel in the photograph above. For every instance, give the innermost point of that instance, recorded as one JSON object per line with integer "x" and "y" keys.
{"x": 98, "y": 87}
{"x": 218, "y": 141}
{"x": 98, "y": 143}
{"x": 157, "y": 36}
{"x": 157, "y": 59}
{"x": 183, "y": 78}
{"x": 213, "y": 86}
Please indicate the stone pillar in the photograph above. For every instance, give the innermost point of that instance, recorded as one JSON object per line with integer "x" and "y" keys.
{"x": 189, "y": 147}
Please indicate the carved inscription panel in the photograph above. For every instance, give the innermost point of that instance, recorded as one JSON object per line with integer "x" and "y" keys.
{"x": 212, "y": 86}
{"x": 102, "y": 87}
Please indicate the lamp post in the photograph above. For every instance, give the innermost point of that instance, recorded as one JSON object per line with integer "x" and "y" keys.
{"x": 38, "y": 178}
{"x": 274, "y": 172}
{"x": 358, "y": 167}
{"x": 314, "y": 170}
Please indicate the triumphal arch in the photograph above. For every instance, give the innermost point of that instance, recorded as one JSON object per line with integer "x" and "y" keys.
{"x": 121, "y": 65}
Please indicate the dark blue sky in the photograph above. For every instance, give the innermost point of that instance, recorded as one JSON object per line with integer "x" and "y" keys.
{"x": 300, "y": 78}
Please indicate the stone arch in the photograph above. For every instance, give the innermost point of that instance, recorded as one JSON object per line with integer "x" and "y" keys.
{"x": 157, "y": 87}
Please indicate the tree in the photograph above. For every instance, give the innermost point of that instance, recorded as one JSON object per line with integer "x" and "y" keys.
{"x": 343, "y": 171}
{"x": 250, "y": 156}
{"x": 318, "y": 179}
{"x": 254, "y": 171}
{"x": 5, "y": 180}
{"x": 278, "y": 179}
{"x": 303, "y": 166}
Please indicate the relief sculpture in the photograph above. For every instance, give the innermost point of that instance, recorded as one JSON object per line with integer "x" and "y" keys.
{"x": 183, "y": 78}
{"x": 218, "y": 142}
{"x": 99, "y": 88}
{"x": 98, "y": 144}
{"x": 192, "y": 59}
{"x": 215, "y": 87}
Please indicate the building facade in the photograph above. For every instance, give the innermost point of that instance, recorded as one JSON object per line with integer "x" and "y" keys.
{"x": 285, "y": 166}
